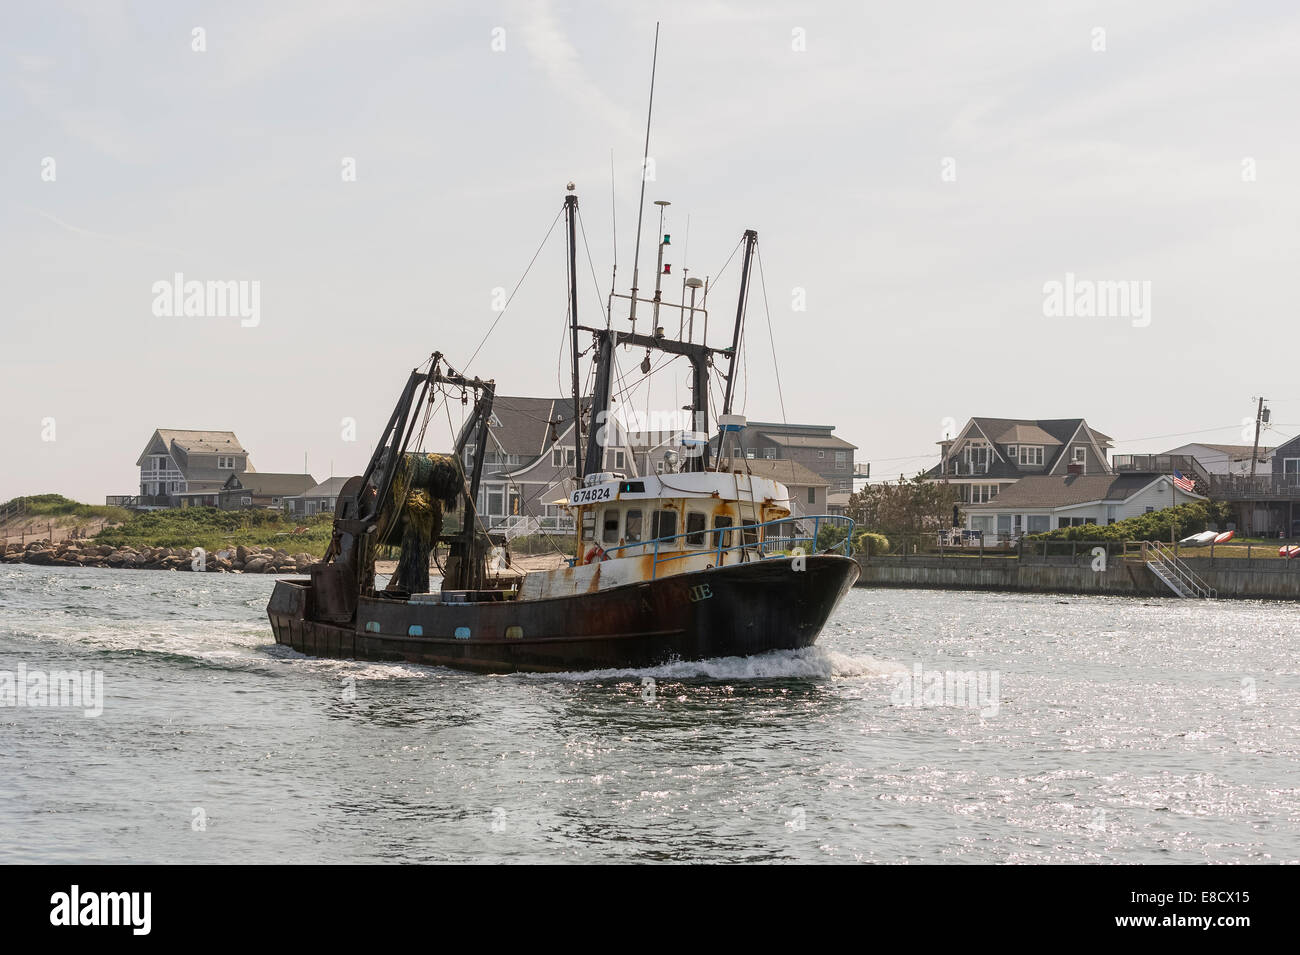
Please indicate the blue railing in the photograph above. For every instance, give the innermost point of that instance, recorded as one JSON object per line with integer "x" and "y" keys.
{"x": 751, "y": 541}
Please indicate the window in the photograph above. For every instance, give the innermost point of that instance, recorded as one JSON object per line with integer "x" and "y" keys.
{"x": 982, "y": 493}
{"x": 633, "y": 526}
{"x": 1078, "y": 454}
{"x": 749, "y": 532}
{"x": 821, "y": 454}
{"x": 563, "y": 457}
{"x": 663, "y": 524}
{"x": 696, "y": 522}
{"x": 1291, "y": 471}
{"x": 620, "y": 461}
{"x": 751, "y": 453}
{"x": 1150, "y": 509}
{"x": 1013, "y": 453}
{"x": 1031, "y": 454}
{"x": 769, "y": 454}
{"x": 496, "y": 502}
{"x": 609, "y": 534}
{"x": 841, "y": 460}
{"x": 1037, "y": 523}
{"x": 721, "y": 535}
{"x": 812, "y": 495}
{"x": 225, "y": 463}
{"x": 976, "y": 454}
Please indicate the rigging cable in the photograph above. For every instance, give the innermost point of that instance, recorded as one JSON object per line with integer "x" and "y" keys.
{"x": 502, "y": 313}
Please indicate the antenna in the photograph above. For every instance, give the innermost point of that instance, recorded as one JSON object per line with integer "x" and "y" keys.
{"x": 636, "y": 257}
{"x": 613, "y": 221}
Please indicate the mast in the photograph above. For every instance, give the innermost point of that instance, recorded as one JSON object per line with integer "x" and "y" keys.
{"x": 636, "y": 255}
{"x": 571, "y": 213}
{"x": 751, "y": 239}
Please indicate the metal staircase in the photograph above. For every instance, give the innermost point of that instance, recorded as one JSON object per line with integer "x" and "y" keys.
{"x": 1173, "y": 573}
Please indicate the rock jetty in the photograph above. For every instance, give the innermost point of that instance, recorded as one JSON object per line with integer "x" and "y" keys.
{"x": 89, "y": 553}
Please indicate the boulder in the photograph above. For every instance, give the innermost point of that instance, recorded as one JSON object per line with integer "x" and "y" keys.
{"x": 256, "y": 566}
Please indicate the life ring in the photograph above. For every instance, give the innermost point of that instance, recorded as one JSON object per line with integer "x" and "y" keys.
{"x": 596, "y": 553}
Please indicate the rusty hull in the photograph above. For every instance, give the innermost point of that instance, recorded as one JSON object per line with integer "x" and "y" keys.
{"x": 736, "y": 610}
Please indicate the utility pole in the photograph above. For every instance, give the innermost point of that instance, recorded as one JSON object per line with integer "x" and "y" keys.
{"x": 1254, "y": 454}
{"x": 1260, "y": 417}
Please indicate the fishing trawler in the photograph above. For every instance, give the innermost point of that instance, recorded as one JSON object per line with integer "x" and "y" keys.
{"x": 701, "y": 560}
{"x": 695, "y": 559}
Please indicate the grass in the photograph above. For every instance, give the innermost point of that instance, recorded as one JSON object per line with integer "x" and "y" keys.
{"x": 214, "y": 530}
{"x": 52, "y": 506}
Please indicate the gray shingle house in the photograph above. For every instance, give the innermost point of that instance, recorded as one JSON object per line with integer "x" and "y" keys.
{"x": 529, "y": 462}
{"x": 178, "y": 467}
{"x": 989, "y": 455}
{"x": 811, "y": 445}
{"x": 320, "y": 499}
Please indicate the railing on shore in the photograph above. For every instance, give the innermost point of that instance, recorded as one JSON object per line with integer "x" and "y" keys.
{"x": 1243, "y": 487}
{"x": 1159, "y": 464}
{"x": 56, "y": 534}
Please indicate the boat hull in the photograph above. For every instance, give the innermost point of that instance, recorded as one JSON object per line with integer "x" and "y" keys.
{"x": 736, "y": 610}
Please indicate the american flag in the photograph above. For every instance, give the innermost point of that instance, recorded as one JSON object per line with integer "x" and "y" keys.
{"x": 1183, "y": 483}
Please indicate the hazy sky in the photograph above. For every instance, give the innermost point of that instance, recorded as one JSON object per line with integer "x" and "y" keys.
{"x": 920, "y": 171}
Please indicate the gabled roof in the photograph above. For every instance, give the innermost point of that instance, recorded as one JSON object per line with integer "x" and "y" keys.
{"x": 1052, "y": 434}
{"x": 1231, "y": 450}
{"x": 271, "y": 484}
{"x": 1041, "y": 490}
{"x": 807, "y": 440}
{"x": 332, "y": 487}
{"x": 193, "y": 442}
{"x": 790, "y": 473}
{"x": 525, "y": 423}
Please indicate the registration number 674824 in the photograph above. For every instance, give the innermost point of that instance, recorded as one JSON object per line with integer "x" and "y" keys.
{"x": 592, "y": 495}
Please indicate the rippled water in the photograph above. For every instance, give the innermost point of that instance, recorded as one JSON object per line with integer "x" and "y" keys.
{"x": 1125, "y": 730}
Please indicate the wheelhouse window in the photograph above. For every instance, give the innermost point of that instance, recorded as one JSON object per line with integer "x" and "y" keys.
{"x": 632, "y": 529}
{"x": 749, "y": 532}
{"x": 609, "y": 526}
{"x": 696, "y": 523}
{"x": 663, "y": 524}
{"x": 721, "y": 532}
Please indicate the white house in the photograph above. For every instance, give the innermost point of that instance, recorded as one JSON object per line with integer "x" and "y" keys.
{"x": 1227, "y": 458}
{"x": 1039, "y": 503}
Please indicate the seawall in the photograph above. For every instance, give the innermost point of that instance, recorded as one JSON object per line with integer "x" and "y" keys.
{"x": 1232, "y": 577}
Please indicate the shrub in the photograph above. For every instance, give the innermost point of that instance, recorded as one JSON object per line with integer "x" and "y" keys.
{"x": 1180, "y": 521}
{"x": 870, "y": 543}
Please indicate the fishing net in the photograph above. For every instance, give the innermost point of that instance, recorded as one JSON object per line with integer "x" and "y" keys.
{"x": 424, "y": 487}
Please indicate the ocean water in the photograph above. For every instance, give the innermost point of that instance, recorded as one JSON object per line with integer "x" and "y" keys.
{"x": 1121, "y": 731}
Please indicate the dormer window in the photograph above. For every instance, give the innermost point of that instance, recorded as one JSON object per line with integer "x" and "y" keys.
{"x": 1031, "y": 455}
{"x": 1078, "y": 454}
{"x": 226, "y": 462}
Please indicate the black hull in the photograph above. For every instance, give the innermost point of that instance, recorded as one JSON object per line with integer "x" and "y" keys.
{"x": 738, "y": 610}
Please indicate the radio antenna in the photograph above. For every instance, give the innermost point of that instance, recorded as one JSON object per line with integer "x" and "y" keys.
{"x": 645, "y": 159}
{"x": 613, "y": 220}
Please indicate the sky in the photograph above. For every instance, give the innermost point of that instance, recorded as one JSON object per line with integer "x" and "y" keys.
{"x": 383, "y": 172}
